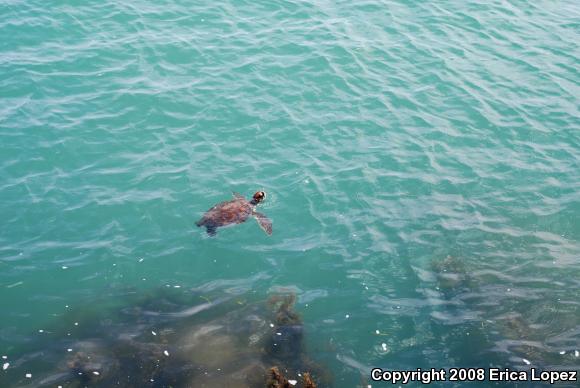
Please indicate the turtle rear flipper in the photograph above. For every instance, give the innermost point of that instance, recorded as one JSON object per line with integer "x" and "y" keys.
{"x": 264, "y": 222}
{"x": 211, "y": 230}
{"x": 210, "y": 227}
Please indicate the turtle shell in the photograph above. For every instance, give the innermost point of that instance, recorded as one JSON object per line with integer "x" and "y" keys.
{"x": 235, "y": 211}
{"x": 225, "y": 213}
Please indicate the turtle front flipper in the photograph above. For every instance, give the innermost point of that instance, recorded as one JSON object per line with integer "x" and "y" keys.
{"x": 264, "y": 222}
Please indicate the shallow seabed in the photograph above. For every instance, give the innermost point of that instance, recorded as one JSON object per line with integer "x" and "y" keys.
{"x": 422, "y": 161}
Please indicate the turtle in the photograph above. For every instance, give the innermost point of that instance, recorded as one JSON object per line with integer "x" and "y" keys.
{"x": 235, "y": 211}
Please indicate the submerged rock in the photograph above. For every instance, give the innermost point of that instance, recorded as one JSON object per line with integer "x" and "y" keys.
{"x": 186, "y": 342}
{"x": 244, "y": 346}
{"x": 285, "y": 345}
{"x": 452, "y": 276}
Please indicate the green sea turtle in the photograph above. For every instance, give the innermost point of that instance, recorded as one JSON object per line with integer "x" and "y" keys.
{"x": 235, "y": 211}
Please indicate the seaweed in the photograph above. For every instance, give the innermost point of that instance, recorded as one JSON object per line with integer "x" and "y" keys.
{"x": 285, "y": 346}
{"x": 308, "y": 382}
{"x": 277, "y": 380}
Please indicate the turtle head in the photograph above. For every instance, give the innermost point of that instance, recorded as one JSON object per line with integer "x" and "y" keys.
{"x": 258, "y": 197}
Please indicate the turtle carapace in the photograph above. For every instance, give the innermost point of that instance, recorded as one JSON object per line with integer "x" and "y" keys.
{"x": 236, "y": 211}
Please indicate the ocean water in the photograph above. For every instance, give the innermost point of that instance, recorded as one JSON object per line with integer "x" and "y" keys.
{"x": 421, "y": 160}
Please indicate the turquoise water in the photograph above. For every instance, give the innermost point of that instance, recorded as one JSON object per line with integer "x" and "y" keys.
{"x": 421, "y": 159}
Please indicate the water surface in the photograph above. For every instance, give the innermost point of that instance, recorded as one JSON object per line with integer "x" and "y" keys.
{"x": 422, "y": 161}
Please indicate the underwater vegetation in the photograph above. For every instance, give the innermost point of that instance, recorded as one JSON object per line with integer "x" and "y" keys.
{"x": 277, "y": 380}
{"x": 168, "y": 339}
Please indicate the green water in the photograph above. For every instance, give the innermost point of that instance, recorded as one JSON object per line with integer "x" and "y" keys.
{"x": 389, "y": 136}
